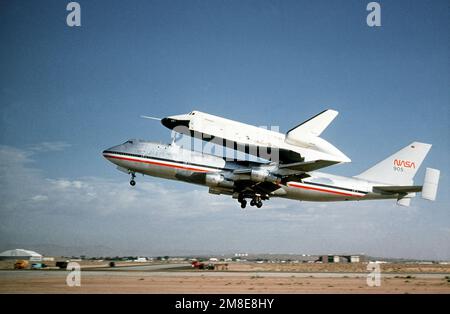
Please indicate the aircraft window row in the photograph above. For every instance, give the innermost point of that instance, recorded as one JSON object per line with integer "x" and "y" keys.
{"x": 143, "y": 156}
{"x": 128, "y": 154}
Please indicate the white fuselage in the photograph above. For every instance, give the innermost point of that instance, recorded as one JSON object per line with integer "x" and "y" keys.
{"x": 173, "y": 162}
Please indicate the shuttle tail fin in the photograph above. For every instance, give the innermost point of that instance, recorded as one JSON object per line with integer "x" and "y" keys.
{"x": 307, "y": 135}
{"x": 399, "y": 168}
{"x": 313, "y": 126}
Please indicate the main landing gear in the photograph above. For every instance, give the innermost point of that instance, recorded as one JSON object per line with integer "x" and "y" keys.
{"x": 256, "y": 201}
{"x": 132, "y": 182}
{"x": 243, "y": 203}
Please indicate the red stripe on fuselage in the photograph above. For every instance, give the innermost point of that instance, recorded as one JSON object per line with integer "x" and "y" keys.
{"x": 157, "y": 163}
{"x": 323, "y": 190}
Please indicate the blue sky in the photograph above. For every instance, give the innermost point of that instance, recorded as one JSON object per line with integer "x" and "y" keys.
{"x": 68, "y": 93}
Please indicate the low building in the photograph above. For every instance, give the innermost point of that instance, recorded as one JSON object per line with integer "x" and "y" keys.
{"x": 20, "y": 254}
{"x": 341, "y": 258}
{"x": 221, "y": 266}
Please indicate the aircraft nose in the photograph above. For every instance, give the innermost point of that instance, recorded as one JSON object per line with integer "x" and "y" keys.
{"x": 105, "y": 153}
{"x": 169, "y": 123}
{"x": 110, "y": 150}
{"x": 174, "y": 121}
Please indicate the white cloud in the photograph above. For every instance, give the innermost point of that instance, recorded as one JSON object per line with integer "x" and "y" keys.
{"x": 10, "y": 155}
{"x": 39, "y": 198}
{"x": 49, "y": 146}
{"x": 92, "y": 194}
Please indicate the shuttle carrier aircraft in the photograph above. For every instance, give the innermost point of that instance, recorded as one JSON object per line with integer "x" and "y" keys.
{"x": 292, "y": 174}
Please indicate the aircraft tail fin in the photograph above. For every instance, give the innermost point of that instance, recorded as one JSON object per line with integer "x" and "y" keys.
{"x": 315, "y": 125}
{"x": 400, "y": 168}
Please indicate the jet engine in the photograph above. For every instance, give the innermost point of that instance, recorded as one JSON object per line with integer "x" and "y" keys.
{"x": 262, "y": 175}
{"x": 216, "y": 179}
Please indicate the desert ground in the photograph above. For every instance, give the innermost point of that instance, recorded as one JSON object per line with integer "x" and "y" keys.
{"x": 239, "y": 278}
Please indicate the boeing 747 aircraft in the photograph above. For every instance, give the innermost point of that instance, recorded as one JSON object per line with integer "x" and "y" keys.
{"x": 293, "y": 176}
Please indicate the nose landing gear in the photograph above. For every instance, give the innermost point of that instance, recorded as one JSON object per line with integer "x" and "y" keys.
{"x": 132, "y": 182}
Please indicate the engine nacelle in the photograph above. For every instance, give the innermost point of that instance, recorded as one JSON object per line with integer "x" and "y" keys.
{"x": 262, "y": 175}
{"x": 216, "y": 179}
{"x": 213, "y": 179}
{"x": 218, "y": 191}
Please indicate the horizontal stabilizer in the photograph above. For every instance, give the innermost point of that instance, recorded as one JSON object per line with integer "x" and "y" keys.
{"x": 430, "y": 184}
{"x": 403, "y": 189}
{"x": 404, "y": 201}
{"x": 309, "y": 165}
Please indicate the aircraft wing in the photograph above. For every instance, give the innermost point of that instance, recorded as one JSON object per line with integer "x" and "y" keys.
{"x": 260, "y": 151}
{"x": 309, "y": 165}
{"x": 243, "y": 186}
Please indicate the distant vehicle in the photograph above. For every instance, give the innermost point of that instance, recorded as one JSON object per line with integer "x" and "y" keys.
{"x": 62, "y": 264}
{"x": 141, "y": 260}
{"x": 38, "y": 266}
{"x": 292, "y": 175}
{"x": 21, "y": 264}
{"x": 200, "y": 265}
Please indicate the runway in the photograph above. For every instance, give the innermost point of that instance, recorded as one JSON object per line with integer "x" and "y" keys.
{"x": 173, "y": 281}
{"x": 121, "y": 272}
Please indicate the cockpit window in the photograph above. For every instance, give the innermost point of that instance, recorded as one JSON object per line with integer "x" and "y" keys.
{"x": 129, "y": 142}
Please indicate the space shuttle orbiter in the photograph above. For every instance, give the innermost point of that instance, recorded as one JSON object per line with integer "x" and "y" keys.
{"x": 301, "y": 145}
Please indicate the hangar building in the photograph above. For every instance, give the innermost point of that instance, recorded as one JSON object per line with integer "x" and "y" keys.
{"x": 20, "y": 254}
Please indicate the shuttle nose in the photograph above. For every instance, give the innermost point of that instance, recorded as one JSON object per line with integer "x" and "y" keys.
{"x": 174, "y": 121}
{"x": 169, "y": 123}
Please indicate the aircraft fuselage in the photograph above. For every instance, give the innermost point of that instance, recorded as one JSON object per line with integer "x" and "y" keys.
{"x": 175, "y": 163}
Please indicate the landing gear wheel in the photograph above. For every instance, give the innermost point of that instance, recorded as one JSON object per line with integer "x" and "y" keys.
{"x": 243, "y": 203}
{"x": 252, "y": 203}
{"x": 259, "y": 204}
{"x": 132, "y": 182}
